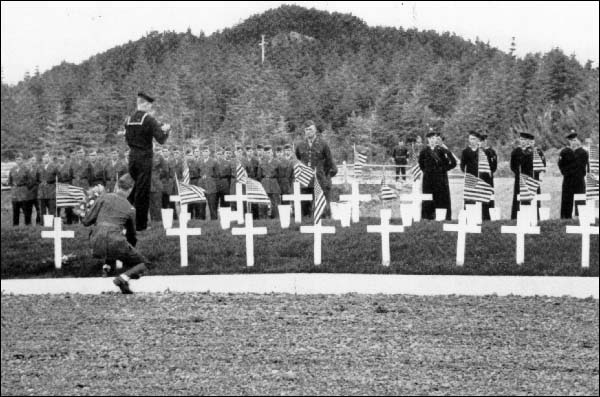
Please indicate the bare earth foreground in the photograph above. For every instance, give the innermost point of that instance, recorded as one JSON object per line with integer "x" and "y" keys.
{"x": 288, "y": 344}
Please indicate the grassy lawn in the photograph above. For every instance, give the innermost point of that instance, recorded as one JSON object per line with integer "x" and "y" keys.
{"x": 286, "y": 344}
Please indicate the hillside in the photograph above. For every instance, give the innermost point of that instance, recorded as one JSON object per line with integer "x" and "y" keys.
{"x": 364, "y": 85}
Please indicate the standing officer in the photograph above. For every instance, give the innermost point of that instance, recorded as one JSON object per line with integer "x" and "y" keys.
{"x": 65, "y": 175}
{"x": 208, "y": 182}
{"x": 521, "y": 161}
{"x": 140, "y": 128}
{"x": 572, "y": 162}
{"x": 19, "y": 179}
{"x": 47, "y": 176}
{"x": 252, "y": 170}
{"x": 82, "y": 169}
{"x": 400, "y": 157}
{"x": 268, "y": 171}
{"x": 286, "y": 170}
{"x": 223, "y": 178}
{"x": 489, "y": 178}
{"x": 32, "y": 195}
{"x": 314, "y": 153}
{"x": 98, "y": 175}
{"x": 239, "y": 160}
{"x": 193, "y": 163}
{"x": 435, "y": 161}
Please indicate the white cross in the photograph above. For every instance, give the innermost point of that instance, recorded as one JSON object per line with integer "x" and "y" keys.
{"x": 354, "y": 199}
{"x": 385, "y": 229}
{"x": 239, "y": 199}
{"x": 462, "y": 227}
{"x": 474, "y": 213}
{"x": 297, "y": 198}
{"x": 416, "y": 199}
{"x": 183, "y": 232}
{"x": 586, "y": 229}
{"x": 318, "y": 230}
{"x": 533, "y": 206}
{"x": 590, "y": 205}
{"x": 183, "y": 207}
{"x": 249, "y": 231}
{"x": 522, "y": 228}
{"x": 57, "y": 234}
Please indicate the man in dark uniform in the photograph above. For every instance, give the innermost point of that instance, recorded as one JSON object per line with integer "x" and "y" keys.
{"x": 240, "y": 160}
{"x": 521, "y": 161}
{"x": 223, "y": 178}
{"x": 286, "y": 171}
{"x": 573, "y": 163}
{"x": 193, "y": 162}
{"x": 19, "y": 179}
{"x": 314, "y": 153}
{"x": 252, "y": 170}
{"x": 98, "y": 175}
{"x": 47, "y": 176}
{"x": 65, "y": 175}
{"x": 112, "y": 213}
{"x": 489, "y": 178}
{"x": 400, "y": 157}
{"x": 268, "y": 172}
{"x": 208, "y": 182}
{"x": 34, "y": 166}
{"x": 435, "y": 161}
{"x": 140, "y": 128}
{"x": 82, "y": 169}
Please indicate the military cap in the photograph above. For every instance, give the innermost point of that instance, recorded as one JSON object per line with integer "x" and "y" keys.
{"x": 259, "y": 146}
{"x": 571, "y": 134}
{"x": 483, "y": 135}
{"x": 238, "y": 147}
{"x": 526, "y": 135}
{"x": 278, "y": 149}
{"x": 266, "y": 148}
{"x": 430, "y": 133}
{"x": 309, "y": 123}
{"x": 145, "y": 97}
{"x": 287, "y": 146}
{"x": 220, "y": 151}
{"x": 126, "y": 182}
{"x": 19, "y": 155}
{"x": 228, "y": 149}
{"x": 249, "y": 147}
{"x": 188, "y": 151}
{"x": 475, "y": 134}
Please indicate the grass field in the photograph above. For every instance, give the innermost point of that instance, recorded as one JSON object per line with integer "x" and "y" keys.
{"x": 286, "y": 344}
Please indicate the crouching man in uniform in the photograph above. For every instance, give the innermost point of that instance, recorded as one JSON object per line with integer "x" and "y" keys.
{"x": 112, "y": 213}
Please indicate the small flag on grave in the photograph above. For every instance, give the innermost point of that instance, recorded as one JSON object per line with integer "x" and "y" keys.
{"x": 241, "y": 176}
{"x": 186, "y": 173}
{"x": 320, "y": 202}
{"x": 538, "y": 164}
{"x": 483, "y": 165}
{"x": 69, "y": 195}
{"x": 416, "y": 172}
{"x": 359, "y": 160}
{"x": 303, "y": 174}
{"x": 256, "y": 192}
{"x": 591, "y": 187}
{"x": 387, "y": 193}
{"x": 594, "y": 159}
{"x": 476, "y": 189}
{"x": 190, "y": 193}
{"x": 527, "y": 187}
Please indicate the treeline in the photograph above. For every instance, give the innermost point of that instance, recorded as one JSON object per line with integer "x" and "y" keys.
{"x": 363, "y": 85}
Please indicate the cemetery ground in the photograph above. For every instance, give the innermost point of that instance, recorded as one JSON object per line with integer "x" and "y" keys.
{"x": 292, "y": 344}
{"x": 423, "y": 248}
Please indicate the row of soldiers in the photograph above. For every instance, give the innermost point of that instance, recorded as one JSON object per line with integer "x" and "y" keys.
{"x": 33, "y": 181}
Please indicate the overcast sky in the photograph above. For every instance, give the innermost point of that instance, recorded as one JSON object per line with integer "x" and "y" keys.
{"x": 46, "y": 33}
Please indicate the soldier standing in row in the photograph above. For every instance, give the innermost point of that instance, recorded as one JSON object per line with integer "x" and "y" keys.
{"x": 521, "y": 161}
{"x": 98, "y": 171}
{"x": 32, "y": 194}
{"x": 488, "y": 178}
{"x": 65, "y": 175}
{"x": 268, "y": 175}
{"x": 47, "y": 175}
{"x": 114, "y": 169}
{"x": 573, "y": 163}
{"x": 208, "y": 182}
{"x": 400, "y": 157}
{"x": 286, "y": 171}
{"x": 435, "y": 161}
{"x": 223, "y": 177}
{"x": 19, "y": 179}
{"x": 140, "y": 128}
{"x": 193, "y": 163}
{"x": 252, "y": 170}
{"x": 314, "y": 152}
{"x": 239, "y": 161}
{"x": 82, "y": 169}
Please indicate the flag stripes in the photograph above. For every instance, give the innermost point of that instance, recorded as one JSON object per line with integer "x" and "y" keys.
{"x": 303, "y": 174}
{"x": 387, "y": 193}
{"x": 319, "y": 202}
{"x": 476, "y": 189}
{"x": 591, "y": 187}
{"x": 538, "y": 164}
{"x": 359, "y": 160}
{"x": 483, "y": 165}
{"x": 241, "y": 176}
{"x": 186, "y": 173}
{"x": 594, "y": 159}
{"x": 528, "y": 187}
{"x": 69, "y": 195}
{"x": 190, "y": 193}
{"x": 415, "y": 172}
{"x": 256, "y": 192}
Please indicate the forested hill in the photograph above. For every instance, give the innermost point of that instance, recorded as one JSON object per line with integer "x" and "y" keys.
{"x": 364, "y": 85}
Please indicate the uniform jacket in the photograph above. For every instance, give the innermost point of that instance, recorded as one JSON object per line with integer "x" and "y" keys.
{"x": 317, "y": 156}
{"x": 140, "y": 128}
{"x": 19, "y": 178}
{"x": 47, "y": 175}
{"x": 268, "y": 172}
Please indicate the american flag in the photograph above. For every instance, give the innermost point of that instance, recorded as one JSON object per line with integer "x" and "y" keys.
{"x": 528, "y": 187}
{"x": 387, "y": 193}
{"x": 320, "y": 202}
{"x": 476, "y": 189}
{"x": 591, "y": 187}
{"x": 190, "y": 193}
{"x": 359, "y": 160}
{"x": 538, "y": 164}
{"x": 256, "y": 192}
{"x": 241, "y": 176}
{"x": 594, "y": 159}
{"x": 303, "y": 174}
{"x": 483, "y": 165}
{"x": 416, "y": 172}
{"x": 186, "y": 172}
{"x": 69, "y": 195}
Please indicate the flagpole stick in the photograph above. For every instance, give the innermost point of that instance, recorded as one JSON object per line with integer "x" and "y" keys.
{"x": 55, "y": 201}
